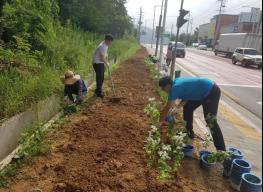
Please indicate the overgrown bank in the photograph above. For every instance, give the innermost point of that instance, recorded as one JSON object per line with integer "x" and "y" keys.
{"x": 36, "y": 47}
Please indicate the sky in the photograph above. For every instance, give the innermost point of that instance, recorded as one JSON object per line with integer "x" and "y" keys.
{"x": 201, "y": 10}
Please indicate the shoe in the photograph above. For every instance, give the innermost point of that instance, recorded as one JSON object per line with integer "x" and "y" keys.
{"x": 191, "y": 134}
{"x": 99, "y": 95}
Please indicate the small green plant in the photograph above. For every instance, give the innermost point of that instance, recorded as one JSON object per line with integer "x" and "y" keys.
{"x": 207, "y": 141}
{"x": 219, "y": 157}
{"x": 70, "y": 109}
{"x": 152, "y": 110}
{"x": 211, "y": 122}
{"x": 163, "y": 162}
{"x": 152, "y": 145}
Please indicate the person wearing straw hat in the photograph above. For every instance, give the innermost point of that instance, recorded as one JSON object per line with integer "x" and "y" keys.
{"x": 100, "y": 61}
{"x": 74, "y": 85}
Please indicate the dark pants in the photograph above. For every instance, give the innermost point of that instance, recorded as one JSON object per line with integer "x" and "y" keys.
{"x": 99, "y": 69}
{"x": 210, "y": 105}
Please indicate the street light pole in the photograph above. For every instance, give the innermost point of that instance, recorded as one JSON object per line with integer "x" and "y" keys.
{"x": 162, "y": 32}
{"x": 158, "y": 32}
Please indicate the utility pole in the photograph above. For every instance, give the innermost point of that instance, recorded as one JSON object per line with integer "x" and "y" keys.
{"x": 140, "y": 26}
{"x": 163, "y": 31}
{"x": 259, "y": 24}
{"x": 153, "y": 30}
{"x": 219, "y": 18}
{"x": 180, "y": 22}
{"x": 159, "y": 30}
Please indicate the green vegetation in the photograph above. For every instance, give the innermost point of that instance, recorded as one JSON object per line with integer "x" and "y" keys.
{"x": 41, "y": 39}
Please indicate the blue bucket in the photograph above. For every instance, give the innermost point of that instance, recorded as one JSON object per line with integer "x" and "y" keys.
{"x": 251, "y": 183}
{"x": 237, "y": 154}
{"x": 188, "y": 150}
{"x": 239, "y": 168}
{"x": 205, "y": 164}
{"x": 201, "y": 153}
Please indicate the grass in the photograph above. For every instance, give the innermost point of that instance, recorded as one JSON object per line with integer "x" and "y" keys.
{"x": 39, "y": 78}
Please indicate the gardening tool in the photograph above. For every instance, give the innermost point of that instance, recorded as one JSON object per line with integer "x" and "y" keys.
{"x": 114, "y": 99}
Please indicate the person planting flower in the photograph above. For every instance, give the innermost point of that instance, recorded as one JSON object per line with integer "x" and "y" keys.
{"x": 194, "y": 92}
{"x": 74, "y": 85}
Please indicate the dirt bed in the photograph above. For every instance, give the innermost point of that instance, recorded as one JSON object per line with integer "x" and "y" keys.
{"x": 101, "y": 149}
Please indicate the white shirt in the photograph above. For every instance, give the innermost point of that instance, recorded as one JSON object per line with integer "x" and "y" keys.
{"x": 102, "y": 49}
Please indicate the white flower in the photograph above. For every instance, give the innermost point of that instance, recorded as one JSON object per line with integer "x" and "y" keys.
{"x": 164, "y": 155}
{"x": 167, "y": 148}
{"x": 152, "y": 99}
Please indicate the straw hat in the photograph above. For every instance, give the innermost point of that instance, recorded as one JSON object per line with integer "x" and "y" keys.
{"x": 70, "y": 78}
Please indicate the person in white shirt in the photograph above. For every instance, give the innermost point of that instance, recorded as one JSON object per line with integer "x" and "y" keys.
{"x": 100, "y": 59}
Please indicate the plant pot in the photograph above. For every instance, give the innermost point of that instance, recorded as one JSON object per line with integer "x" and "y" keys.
{"x": 177, "y": 73}
{"x": 237, "y": 154}
{"x": 188, "y": 150}
{"x": 205, "y": 164}
{"x": 250, "y": 183}
{"x": 239, "y": 168}
{"x": 203, "y": 152}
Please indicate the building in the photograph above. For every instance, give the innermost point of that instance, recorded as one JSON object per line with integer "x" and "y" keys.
{"x": 250, "y": 22}
{"x": 209, "y": 31}
{"x": 245, "y": 22}
{"x": 203, "y": 31}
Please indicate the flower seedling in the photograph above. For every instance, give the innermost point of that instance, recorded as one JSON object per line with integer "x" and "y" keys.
{"x": 219, "y": 157}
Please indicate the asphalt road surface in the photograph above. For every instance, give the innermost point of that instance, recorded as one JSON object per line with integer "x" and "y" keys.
{"x": 243, "y": 85}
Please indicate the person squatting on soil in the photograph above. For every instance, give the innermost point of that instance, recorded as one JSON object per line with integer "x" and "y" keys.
{"x": 74, "y": 85}
{"x": 100, "y": 60}
{"x": 195, "y": 92}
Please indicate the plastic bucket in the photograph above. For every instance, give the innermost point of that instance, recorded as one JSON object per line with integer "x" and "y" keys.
{"x": 201, "y": 153}
{"x": 177, "y": 73}
{"x": 188, "y": 150}
{"x": 239, "y": 168}
{"x": 205, "y": 164}
{"x": 251, "y": 183}
{"x": 237, "y": 154}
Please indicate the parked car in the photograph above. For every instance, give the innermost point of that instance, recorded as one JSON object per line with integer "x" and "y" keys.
{"x": 195, "y": 44}
{"x": 180, "y": 51}
{"x": 202, "y": 47}
{"x": 247, "y": 57}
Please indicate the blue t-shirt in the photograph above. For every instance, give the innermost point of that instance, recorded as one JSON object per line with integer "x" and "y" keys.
{"x": 191, "y": 88}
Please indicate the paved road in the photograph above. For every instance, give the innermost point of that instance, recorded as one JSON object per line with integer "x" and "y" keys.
{"x": 244, "y": 85}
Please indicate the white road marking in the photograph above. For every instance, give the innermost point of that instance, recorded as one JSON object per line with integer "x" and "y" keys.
{"x": 246, "y": 86}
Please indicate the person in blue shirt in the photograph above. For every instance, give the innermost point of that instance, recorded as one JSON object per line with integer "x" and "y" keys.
{"x": 195, "y": 92}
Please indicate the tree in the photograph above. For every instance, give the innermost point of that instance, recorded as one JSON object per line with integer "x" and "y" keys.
{"x": 97, "y": 15}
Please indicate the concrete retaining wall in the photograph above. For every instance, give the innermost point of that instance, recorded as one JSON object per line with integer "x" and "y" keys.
{"x": 42, "y": 112}
{"x": 11, "y": 129}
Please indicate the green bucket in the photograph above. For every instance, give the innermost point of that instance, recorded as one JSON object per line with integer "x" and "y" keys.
{"x": 178, "y": 73}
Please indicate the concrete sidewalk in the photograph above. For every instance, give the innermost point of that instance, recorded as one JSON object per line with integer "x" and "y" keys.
{"x": 240, "y": 127}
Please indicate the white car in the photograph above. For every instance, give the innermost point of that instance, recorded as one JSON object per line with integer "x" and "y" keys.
{"x": 195, "y": 44}
{"x": 247, "y": 57}
{"x": 202, "y": 47}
